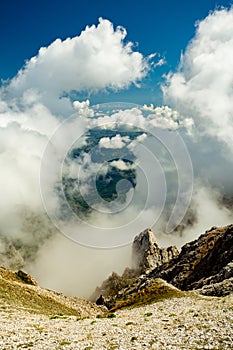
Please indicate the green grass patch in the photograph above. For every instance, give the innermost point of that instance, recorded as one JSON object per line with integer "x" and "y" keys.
{"x": 148, "y": 314}
{"x": 111, "y": 315}
{"x": 158, "y": 291}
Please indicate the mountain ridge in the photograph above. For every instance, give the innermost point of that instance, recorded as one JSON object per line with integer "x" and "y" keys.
{"x": 204, "y": 266}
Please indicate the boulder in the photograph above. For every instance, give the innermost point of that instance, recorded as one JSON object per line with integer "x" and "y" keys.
{"x": 26, "y": 278}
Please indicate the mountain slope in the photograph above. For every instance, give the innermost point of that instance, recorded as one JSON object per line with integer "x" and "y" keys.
{"x": 15, "y": 293}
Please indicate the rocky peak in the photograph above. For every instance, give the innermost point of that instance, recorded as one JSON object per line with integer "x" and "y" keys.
{"x": 146, "y": 254}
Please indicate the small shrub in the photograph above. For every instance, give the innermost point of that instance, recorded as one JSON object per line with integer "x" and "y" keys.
{"x": 133, "y": 338}
{"x": 64, "y": 342}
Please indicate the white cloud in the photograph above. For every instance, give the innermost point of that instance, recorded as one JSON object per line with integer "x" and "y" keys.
{"x": 20, "y": 152}
{"x": 160, "y": 117}
{"x": 121, "y": 165}
{"x": 148, "y": 108}
{"x": 164, "y": 118}
{"x": 202, "y": 87}
{"x": 83, "y": 109}
{"x": 114, "y": 142}
{"x": 96, "y": 59}
{"x": 141, "y": 137}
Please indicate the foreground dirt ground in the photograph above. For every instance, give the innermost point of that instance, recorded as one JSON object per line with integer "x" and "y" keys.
{"x": 179, "y": 323}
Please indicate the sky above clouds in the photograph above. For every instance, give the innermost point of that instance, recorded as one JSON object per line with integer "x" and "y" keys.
{"x": 161, "y": 27}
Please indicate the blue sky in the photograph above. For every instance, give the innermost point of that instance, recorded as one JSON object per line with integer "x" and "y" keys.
{"x": 164, "y": 27}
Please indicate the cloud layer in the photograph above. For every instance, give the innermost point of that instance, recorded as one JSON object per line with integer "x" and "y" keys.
{"x": 202, "y": 87}
{"x": 31, "y": 107}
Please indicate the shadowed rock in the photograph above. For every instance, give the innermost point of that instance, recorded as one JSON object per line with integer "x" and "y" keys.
{"x": 26, "y": 278}
{"x": 206, "y": 260}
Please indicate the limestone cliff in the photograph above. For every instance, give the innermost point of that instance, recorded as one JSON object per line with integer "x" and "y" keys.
{"x": 146, "y": 254}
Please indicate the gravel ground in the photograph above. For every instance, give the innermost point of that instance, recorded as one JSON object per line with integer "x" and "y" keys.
{"x": 180, "y": 323}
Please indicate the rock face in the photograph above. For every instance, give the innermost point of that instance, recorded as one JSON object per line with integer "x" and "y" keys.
{"x": 26, "y": 278}
{"x": 146, "y": 254}
{"x": 225, "y": 273}
{"x": 205, "y": 265}
{"x": 206, "y": 260}
{"x": 220, "y": 289}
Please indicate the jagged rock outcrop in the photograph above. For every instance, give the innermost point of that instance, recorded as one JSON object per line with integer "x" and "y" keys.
{"x": 205, "y": 265}
{"x": 112, "y": 285}
{"x": 146, "y": 254}
{"x": 225, "y": 273}
{"x": 26, "y": 278}
{"x": 220, "y": 289}
{"x": 202, "y": 261}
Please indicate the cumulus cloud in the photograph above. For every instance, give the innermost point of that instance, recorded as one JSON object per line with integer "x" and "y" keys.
{"x": 72, "y": 269}
{"x": 201, "y": 91}
{"x": 114, "y": 142}
{"x": 83, "y": 109}
{"x": 165, "y": 117}
{"x": 141, "y": 137}
{"x": 202, "y": 87}
{"x": 96, "y": 59}
{"x": 146, "y": 118}
{"x": 148, "y": 108}
{"x": 121, "y": 165}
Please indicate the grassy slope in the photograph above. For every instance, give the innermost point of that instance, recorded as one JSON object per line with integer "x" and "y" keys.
{"x": 16, "y": 294}
{"x": 157, "y": 291}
